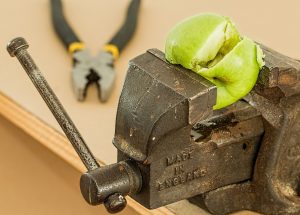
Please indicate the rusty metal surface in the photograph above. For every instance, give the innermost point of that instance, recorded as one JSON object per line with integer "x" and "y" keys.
{"x": 274, "y": 185}
{"x": 244, "y": 157}
{"x": 280, "y": 76}
{"x": 155, "y": 123}
{"x": 164, "y": 94}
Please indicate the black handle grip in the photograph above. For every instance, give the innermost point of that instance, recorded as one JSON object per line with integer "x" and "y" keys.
{"x": 62, "y": 28}
{"x": 125, "y": 33}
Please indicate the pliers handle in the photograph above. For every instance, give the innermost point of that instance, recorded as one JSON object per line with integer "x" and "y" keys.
{"x": 72, "y": 41}
{"x": 126, "y": 31}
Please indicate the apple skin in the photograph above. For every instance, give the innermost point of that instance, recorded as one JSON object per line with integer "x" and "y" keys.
{"x": 210, "y": 45}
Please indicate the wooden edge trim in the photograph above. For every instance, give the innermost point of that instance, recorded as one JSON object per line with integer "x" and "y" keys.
{"x": 57, "y": 143}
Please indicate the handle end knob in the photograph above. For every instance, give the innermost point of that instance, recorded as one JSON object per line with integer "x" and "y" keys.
{"x": 15, "y": 45}
{"x": 115, "y": 203}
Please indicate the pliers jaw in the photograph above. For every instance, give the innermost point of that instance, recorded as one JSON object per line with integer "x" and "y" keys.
{"x": 88, "y": 70}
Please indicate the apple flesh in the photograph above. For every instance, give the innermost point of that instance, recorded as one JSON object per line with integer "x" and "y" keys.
{"x": 211, "y": 46}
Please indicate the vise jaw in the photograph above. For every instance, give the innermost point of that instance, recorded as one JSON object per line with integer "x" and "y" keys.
{"x": 166, "y": 124}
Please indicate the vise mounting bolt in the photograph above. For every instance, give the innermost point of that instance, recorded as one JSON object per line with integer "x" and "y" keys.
{"x": 173, "y": 146}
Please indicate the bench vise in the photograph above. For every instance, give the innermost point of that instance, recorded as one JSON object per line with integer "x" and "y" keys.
{"x": 244, "y": 157}
{"x": 173, "y": 146}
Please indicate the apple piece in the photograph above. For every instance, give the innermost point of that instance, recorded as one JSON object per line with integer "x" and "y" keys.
{"x": 210, "y": 45}
{"x": 236, "y": 74}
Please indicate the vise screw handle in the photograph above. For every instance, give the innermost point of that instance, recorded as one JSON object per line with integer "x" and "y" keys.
{"x": 17, "y": 47}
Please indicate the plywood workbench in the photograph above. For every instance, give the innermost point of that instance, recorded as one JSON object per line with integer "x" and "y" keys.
{"x": 35, "y": 155}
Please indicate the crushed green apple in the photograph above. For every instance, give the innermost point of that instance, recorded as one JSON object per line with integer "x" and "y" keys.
{"x": 211, "y": 46}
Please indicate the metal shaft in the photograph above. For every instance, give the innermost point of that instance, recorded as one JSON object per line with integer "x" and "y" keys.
{"x": 17, "y": 47}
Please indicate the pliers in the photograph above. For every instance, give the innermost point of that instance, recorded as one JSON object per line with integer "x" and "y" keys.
{"x": 99, "y": 69}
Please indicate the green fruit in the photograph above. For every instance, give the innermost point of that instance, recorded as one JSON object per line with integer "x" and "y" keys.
{"x": 210, "y": 45}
